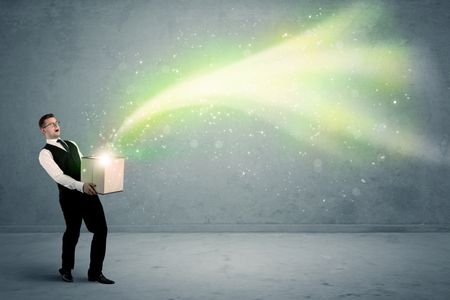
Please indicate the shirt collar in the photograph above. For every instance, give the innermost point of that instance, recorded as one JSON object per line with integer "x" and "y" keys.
{"x": 55, "y": 143}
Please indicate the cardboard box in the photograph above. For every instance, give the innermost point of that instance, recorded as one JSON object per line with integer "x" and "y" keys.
{"x": 106, "y": 172}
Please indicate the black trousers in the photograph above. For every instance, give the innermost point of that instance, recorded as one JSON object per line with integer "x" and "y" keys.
{"x": 78, "y": 207}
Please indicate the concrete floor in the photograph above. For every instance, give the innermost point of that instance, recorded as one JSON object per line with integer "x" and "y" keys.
{"x": 234, "y": 266}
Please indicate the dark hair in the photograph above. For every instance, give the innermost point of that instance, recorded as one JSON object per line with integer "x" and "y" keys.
{"x": 43, "y": 118}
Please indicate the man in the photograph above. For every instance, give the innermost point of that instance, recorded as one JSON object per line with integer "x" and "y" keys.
{"x": 78, "y": 200}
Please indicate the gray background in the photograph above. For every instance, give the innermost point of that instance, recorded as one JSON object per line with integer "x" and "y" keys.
{"x": 78, "y": 59}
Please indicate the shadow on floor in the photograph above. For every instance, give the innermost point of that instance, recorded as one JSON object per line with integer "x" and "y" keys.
{"x": 42, "y": 273}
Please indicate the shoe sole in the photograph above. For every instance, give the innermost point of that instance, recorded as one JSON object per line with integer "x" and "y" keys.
{"x": 95, "y": 280}
{"x": 67, "y": 280}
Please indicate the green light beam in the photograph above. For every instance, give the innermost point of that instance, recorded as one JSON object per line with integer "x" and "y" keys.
{"x": 301, "y": 81}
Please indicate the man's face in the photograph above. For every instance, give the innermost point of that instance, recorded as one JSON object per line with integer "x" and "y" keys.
{"x": 51, "y": 129}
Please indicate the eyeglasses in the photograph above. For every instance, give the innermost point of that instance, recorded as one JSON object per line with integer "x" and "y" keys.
{"x": 55, "y": 124}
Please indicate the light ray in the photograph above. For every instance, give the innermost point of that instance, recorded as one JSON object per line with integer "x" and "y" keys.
{"x": 312, "y": 77}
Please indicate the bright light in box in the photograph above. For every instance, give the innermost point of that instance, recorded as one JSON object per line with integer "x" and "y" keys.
{"x": 104, "y": 159}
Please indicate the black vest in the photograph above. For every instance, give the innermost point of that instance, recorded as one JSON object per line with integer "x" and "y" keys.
{"x": 68, "y": 161}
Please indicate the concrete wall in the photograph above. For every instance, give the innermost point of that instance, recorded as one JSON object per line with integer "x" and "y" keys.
{"x": 81, "y": 60}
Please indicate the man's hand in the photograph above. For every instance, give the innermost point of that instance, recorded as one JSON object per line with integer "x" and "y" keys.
{"x": 89, "y": 188}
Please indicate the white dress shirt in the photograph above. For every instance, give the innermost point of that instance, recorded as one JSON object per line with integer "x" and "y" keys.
{"x": 47, "y": 162}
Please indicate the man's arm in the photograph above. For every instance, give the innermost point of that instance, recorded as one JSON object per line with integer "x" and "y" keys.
{"x": 55, "y": 172}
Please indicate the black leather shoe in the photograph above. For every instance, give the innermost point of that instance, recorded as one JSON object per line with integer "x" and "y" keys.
{"x": 100, "y": 278}
{"x": 66, "y": 275}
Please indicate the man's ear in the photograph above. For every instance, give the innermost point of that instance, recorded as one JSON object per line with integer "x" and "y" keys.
{"x": 42, "y": 130}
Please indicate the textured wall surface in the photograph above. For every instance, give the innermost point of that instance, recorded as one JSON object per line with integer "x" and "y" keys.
{"x": 92, "y": 63}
